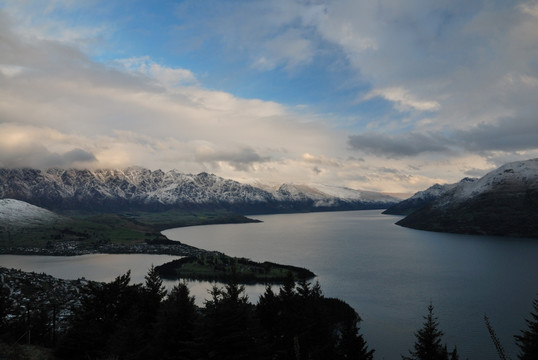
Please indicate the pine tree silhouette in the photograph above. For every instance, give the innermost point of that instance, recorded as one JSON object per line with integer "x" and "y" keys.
{"x": 428, "y": 344}
{"x": 528, "y": 340}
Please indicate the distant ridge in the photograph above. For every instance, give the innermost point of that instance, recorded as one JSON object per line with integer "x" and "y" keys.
{"x": 423, "y": 198}
{"x": 502, "y": 202}
{"x": 142, "y": 189}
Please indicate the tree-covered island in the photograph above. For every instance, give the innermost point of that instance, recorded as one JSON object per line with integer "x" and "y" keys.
{"x": 219, "y": 267}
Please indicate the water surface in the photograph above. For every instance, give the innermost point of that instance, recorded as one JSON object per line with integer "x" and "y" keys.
{"x": 389, "y": 274}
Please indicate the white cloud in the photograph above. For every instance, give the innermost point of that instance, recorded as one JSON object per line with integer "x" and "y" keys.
{"x": 403, "y": 99}
{"x": 530, "y": 8}
{"x": 11, "y": 70}
{"x": 289, "y": 48}
{"x": 170, "y": 77}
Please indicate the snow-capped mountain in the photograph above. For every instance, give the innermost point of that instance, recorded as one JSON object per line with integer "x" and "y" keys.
{"x": 502, "y": 202}
{"x": 15, "y": 213}
{"x": 511, "y": 177}
{"x": 326, "y": 195}
{"x": 424, "y": 198}
{"x": 138, "y": 188}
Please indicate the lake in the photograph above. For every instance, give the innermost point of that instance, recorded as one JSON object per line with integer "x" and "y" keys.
{"x": 389, "y": 274}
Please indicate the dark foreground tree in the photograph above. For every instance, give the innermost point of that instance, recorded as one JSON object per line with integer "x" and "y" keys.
{"x": 104, "y": 308}
{"x": 132, "y": 336}
{"x": 352, "y": 344}
{"x": 174, "y": 331}
{"x": 528, "y": 340}
{"x": 230, "y": 329}
{"x": 301, "y": 323}
{"x": 122, "y": 321}
{"x": 428, "y": 344}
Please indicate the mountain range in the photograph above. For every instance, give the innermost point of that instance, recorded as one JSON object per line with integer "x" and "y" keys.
{"x": 142, "y": 189}
{"x": 502, "y": 202}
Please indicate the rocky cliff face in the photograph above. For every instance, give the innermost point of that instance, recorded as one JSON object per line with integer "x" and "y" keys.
{"x": 138, "y": 188}
{"x": 503, "y": 202}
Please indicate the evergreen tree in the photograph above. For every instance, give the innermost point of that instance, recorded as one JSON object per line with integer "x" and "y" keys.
{"x": 287, "y": 291}
{"x": 231, "y": 331}
{"x": 303, "y": 324}
{"x": 528, "y": 340}
{"x": 352, "y": 344}
{"x": 454, "y": 354}
{"x": 104, "y": 307}
{"x": 154, "y": 287}
{"x": 428, "y": 344}
{"x": 303, "y": 288}
{"x": 174, "y": 337}
{"x": 134, "y": 330}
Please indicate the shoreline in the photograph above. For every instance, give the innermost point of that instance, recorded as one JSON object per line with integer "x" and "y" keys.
{"x": 165, "y": 246}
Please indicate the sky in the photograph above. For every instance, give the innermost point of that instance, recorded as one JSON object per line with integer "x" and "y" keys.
{"x": 379, "y": 95}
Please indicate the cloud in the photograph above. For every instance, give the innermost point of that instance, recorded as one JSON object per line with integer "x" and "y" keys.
{"x": 530, "y": 8}
{"x": 403, "y": 99}
{"x": 476, "y": 172}
{"x": 29, "y": 146}
{"x": 77, "y": 155}
{"x": 398, "y": 146}
{"x": 276, "y": 34}
{"x": 242, "y": 159}
{"x": 38, "y": 156}
{"x": 448, "y": 58}
{"x": 288, "y": 49}
{"x": 507, "y": 135}
{"x": 170, "y": 77}
{"x": 320, "y": 160}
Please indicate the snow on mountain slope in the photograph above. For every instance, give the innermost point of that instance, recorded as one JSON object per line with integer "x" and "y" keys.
{"x": 502, "y": 202}
{"x": 129, "y": 186}
{"x": 424, "y": 198}
{"x": 324, "y": 195}
{"x": 509, "y": 177}
{"x": 142, "y": 188}
{"x": 15, "y": 213}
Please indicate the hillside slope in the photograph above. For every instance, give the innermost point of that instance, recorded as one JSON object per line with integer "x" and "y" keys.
{"x": 422, "y": 198}
{"x": 503, "y": 202}
{"x": 16, "y": 214}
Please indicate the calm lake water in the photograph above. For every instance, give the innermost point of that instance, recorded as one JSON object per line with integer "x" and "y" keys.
{"x": 389, "y": 274}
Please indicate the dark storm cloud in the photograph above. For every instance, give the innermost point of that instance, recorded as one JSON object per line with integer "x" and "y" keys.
{"x": 77, "y": 155}
{"x": 397, "y": 146}
{"x": 508, "y": 135}
{"x": 38, "y": 156}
